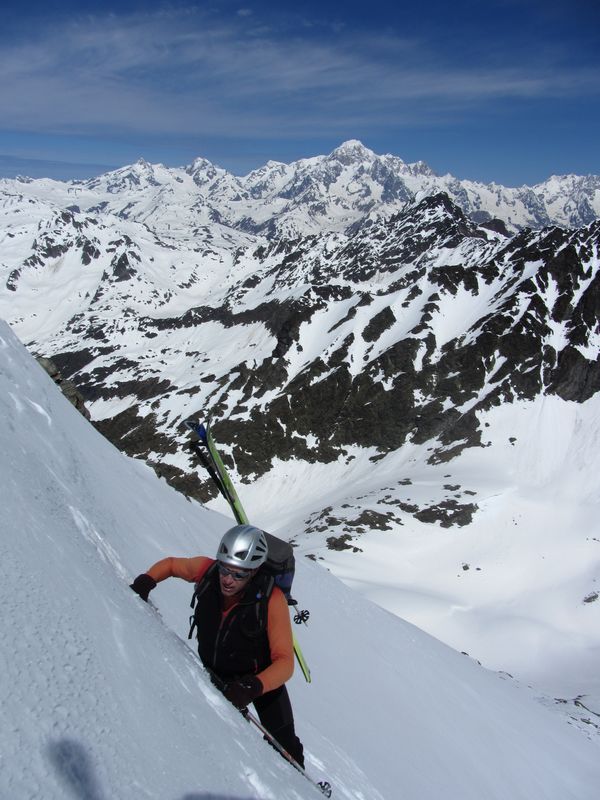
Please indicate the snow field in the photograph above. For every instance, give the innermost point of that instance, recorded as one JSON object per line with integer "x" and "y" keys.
{"x": 510, "y": 587}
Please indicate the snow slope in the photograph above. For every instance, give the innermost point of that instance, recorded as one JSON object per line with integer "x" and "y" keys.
{"x": 102, "y": 697}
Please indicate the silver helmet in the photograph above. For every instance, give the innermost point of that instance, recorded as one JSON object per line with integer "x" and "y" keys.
{"x": 243, "y": 546}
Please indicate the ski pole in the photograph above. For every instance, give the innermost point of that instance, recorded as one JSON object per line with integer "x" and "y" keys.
{"x": 322, "y": 786}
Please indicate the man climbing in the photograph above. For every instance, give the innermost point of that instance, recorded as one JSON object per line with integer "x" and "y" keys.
{"x": 243, "y": 627}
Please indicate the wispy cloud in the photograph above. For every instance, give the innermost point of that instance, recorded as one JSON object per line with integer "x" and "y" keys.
{"x": 188, "y": 73}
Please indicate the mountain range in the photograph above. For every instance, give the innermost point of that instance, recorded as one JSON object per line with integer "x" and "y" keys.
{"x": 402, "y": 370}
{"x": 312, "y": 195}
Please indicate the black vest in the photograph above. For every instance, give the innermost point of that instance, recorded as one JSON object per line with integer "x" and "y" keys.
{"x": 239, "y": 643}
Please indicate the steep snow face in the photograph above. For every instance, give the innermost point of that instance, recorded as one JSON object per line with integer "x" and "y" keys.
{"x": 102, "y": 698}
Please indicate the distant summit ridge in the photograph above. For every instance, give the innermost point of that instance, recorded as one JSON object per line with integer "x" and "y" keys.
{"x": 333, "y": 192}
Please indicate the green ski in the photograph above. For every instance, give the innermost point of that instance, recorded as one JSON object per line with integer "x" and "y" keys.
{"x": 231, "y": 494}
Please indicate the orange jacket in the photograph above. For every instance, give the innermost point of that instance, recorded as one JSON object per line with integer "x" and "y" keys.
{"x": 279, "y": 627}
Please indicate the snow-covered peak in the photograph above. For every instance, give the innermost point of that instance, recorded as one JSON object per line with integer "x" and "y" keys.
{"x": 201, "y": 166}
{"x": 351, "y": 152}
{"x": 270, "y": 166}
{"x": 421, "y": 168}
{"x": 268, "y": 180}
{"x": 133, "y": 178}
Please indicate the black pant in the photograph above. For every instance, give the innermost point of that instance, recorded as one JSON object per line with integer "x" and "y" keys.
{"x": 275, "y": 712}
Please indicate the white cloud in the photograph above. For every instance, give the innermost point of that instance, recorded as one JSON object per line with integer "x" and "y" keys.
{"x": 187, "y": 72}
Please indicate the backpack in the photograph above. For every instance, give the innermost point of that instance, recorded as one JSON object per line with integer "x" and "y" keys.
{"x": 281, "y": 564}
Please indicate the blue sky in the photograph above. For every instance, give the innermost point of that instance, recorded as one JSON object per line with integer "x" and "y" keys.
{"x": 503, "y": 90}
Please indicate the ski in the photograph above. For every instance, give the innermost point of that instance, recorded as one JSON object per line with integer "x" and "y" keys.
{"x": 322, "y": 786}
{"x": 301, "y": 660}
{"x": 229, "y": 489}
{"x": 215, "y": 467}
{"x": 210, "y": 458}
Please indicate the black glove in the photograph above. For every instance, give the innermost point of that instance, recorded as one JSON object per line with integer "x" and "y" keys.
{"x": 143, "y": 585}
{"x": 243, "y": 691}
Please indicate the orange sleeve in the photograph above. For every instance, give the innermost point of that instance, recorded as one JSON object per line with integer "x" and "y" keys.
{"x": 190, "y": 569}
{"x": 279, "y": 630}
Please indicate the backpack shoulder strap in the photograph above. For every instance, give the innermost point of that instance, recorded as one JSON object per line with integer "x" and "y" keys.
{"x": 265, "y": 586}
{"x": 200, "y": 587}
{"x": 257, "y": 602}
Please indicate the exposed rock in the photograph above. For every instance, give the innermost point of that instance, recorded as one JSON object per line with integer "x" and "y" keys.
{"x": 378, "y": 324}
{"x": 448, "y": 513}
{"x": 342, "y": 543}
{"x": 67, "y": 387}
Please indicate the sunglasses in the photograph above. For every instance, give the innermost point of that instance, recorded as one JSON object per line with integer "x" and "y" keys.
{"x": 237, "y": 576}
